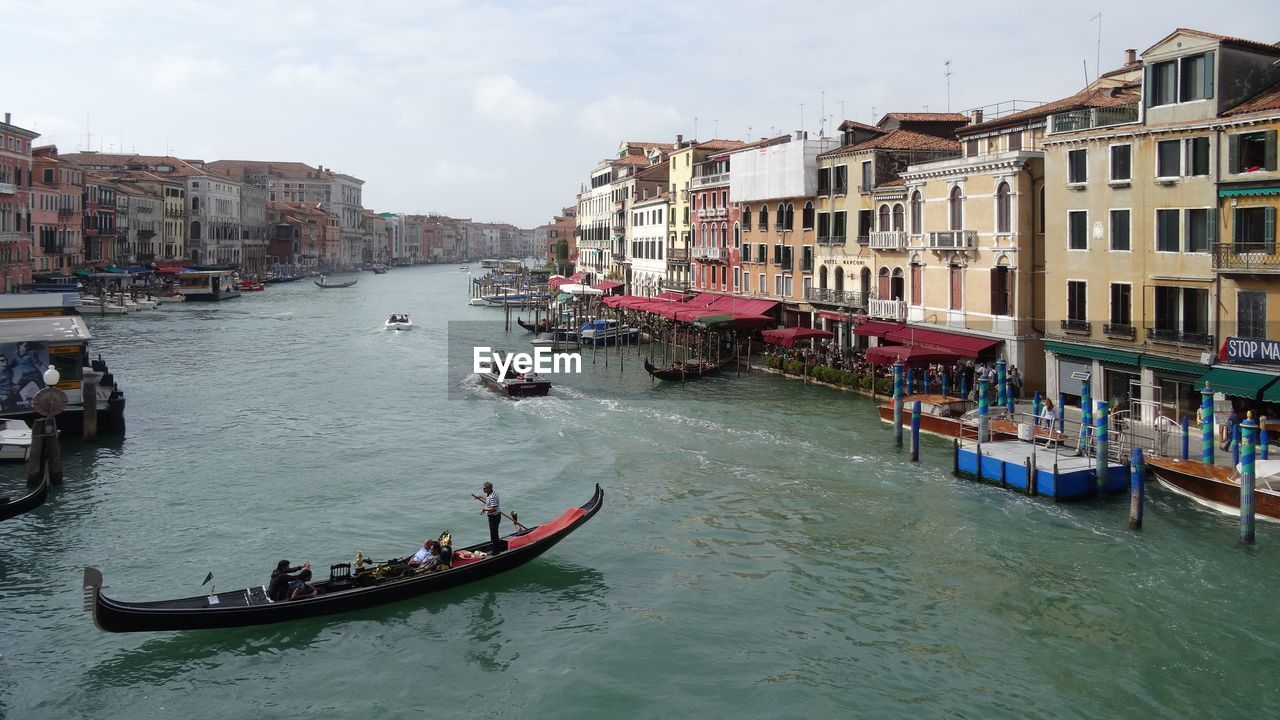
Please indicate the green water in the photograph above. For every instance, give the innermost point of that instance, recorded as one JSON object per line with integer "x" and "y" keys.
{"x": 763, "y": 550}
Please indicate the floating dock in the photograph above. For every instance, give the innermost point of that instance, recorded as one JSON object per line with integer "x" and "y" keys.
{"x": 1059, "y": 476}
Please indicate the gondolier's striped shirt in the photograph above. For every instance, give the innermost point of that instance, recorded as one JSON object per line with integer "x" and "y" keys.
{"x": 492, "y": 506}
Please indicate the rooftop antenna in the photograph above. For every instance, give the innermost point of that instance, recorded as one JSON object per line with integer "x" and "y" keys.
{"x": 948, "y": 76}
{"x": 802, "y": 117}
{"x": 695, "y": 128}
{"x": 716, "y": 127}
{"x": 822, "y": 113}
{"x": 88, "y": 142}
{"x": 1084, "y": 64}
{"x": 1097, "y": 64}
{"x": 873, "y": 113}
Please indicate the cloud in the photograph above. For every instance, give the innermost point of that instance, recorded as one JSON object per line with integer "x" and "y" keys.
{"x": 620, "y": 117}
{"x": 501, "y": 97}
{"x": 447, "y": 171}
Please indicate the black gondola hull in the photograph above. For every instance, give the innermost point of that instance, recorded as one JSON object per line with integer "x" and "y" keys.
{"x": 115, "y": 616}
{"x": 26, "y": 503}
{"x": 677, "y": 375}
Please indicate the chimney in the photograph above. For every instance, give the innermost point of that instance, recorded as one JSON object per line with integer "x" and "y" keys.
{"x": 975, "y": 116}
{"x": 6, "y": 118}
{"x": 1130, "y": 56}
{"x": 679, "y": 140}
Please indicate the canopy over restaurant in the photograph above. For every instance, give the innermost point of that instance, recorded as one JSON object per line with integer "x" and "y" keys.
{"x": 788, "y": 337}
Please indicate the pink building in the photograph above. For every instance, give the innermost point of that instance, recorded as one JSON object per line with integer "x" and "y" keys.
{"x": 15, "y": 204}
{"x": 715, "y": 237}
{"x": 57, "y": 214}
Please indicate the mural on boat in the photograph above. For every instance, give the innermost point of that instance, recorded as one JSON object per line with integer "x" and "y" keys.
{"x": 22, "y": 367}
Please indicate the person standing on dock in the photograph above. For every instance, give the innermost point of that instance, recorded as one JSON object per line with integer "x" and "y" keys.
{"x": 493, "y": 509}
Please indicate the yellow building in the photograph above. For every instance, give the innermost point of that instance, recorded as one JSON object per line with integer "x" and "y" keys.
{"x": 1133, "y": 299}
{"x": 684, "y": 158}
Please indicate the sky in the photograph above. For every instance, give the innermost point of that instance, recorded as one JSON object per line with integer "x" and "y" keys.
{"x": 499, "y": 111}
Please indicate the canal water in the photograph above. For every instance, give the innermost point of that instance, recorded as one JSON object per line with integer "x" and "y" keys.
{"x": 763, "y": 550}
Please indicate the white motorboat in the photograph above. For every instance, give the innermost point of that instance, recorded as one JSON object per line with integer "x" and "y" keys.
{"x": 464, "y": 268}
{"x": 559, "y": 339}
{"x": 607, "y": 332}
{"x": 15, "y": 439}
{"x": 477, "y": 301}
{"x": 96, "y": 306}
{"x": 398, "y": 321}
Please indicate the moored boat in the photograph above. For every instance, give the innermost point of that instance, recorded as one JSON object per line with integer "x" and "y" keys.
{"x": 15, "y": 439}
{"x": 607, "y": 331}
{"x": 939, "y": 414}
{"x": 208, "y": 285}
{"x": 681, "y": 371}
{"x": 251, "y": 286}
{"x": 349, "y": 586}
{"x": 1218, "y": 487}
{"x": 558, "y": 339}
{"x": 14, "y": 507}
{"x": 540, "y": 326}
{"x": 323, "y": 282}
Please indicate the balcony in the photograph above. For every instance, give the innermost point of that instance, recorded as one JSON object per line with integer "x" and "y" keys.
{"x": 895, "y": 310}
{"x": 953, "y": 239}
{"x": 712, "y": 213}
{"x": 841, "y": 189}
{"x": 1119, "y": 331}
{"x": 830, "y": 239}
{"x": 1179, "y": 337}
{"x": 824, "y": 190}
{"x": 888, "y": 240}
{"x": 620, "y": 258}
{"x": 672, "y": 285}
{"x": 711, "y": 180}
{"x": 710, "y": 253}
{"x": 1246, "y": 258}
{"x": 175, "y": 212}
{"x": 7, "y": 236}
{"x": 842, "y": 298}
{"x": 66, "y": 212}
{"x": 1077, "y": 120}
{"x": 677, "y": 256}
{"x": 1077, "y": 327}
{"x": 8, "y": 188}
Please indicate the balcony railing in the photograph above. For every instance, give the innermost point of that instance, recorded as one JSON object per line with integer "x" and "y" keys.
{"x": 8, "y": 188}
{"x": 66, "y": 212}
{"x": 806, "y": 264}
{"x": 895, "y": 310}
{"x": 888, "y": 240}
{"x": 840, "y": 189}
{"x": 678, "y": 255}
{"x": 1246, "y": 257}
{"x": 7, "y": 236}
{"x": 831, "y": 239}
{"x": 1179, "y": 337}
{"x": 824, "y": 190}
{"x": 711, "y": 213}
{"x": 1119, "y": 331}
{"x": 175, "y": 212}
{"x": 843, "y": 298}
{"x": 1076, "y": 120}
{"x": 620, "y": 257}
{"x": 665, "y": 284}
{"x": 953, "y": 239}
{"x": 1077, "y": 326}
{"x": 709, "y": 253}
{"x": 864, "y": 240}
{"x": 708, "y": 180}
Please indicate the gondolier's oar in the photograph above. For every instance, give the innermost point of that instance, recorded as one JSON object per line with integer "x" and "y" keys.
{"x": 512, "y": 517}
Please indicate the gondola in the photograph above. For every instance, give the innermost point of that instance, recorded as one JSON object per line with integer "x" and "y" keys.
{"x": 540, "y": 326}
{"x": 26, "y": 503}
{"x": 329, "y": 285}
{"x": 687, "y": 371}
{"x": 348, "y": 588}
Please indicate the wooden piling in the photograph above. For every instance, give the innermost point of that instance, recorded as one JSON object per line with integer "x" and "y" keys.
{"x": 897, "y": 403}
{"x": 1249, "y": 430}
{"x": 915, "y": 431}
{"x": 90, "y": 402}
{"x": 35, "y": 454}
{"x": 1137, "y": 468}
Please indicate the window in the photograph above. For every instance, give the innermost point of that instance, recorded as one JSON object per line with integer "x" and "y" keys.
{"x": 1255, "y": 230}
{"x": 838, "y": 225}
{"x": 1252, "y": 152}
{"x": 1182, "y": 315}
{"x": 1167, "y": 239}
{"x": 1077, "y": 291}
{"x": 1121, "y": 304}
{"x": 865, "y": 222}
{"x": 777, "y": 284}
{"x": 1003, "y": 208}
{"x": 1120, "y": 162}
{"x": 760, "y": 286}
{"x": 1198, "y": 156}
{"x": 1168, "y": 157}
{"x": 1195, "y": 80}
{"x": 884, "y": 218}
{"x": 746, "y": 282}
{"x": 1001, "y": 291}
{"x": 790, "y": 217}
{"x": 917, "y": 213}
{"x": 955, "y": 208}
{"x": 1015, "y": 141}
{"x": 1162, "y": 83}
{"x": 746, "y": 218}
{"x": 824, "y": 225}
{"x": 917, "y": 284}
{"x": 1251, "y": 314}
{"x": 764, "y": 217}
{"x": 956, "y": 274}
{"x": 1077, "y": 166}
{"x": 841, "y": 179}
{"x": 806, "y": 217}
{"x": 897, "y": 217}
{"x": 1078, "y": 230}
{"x": 866, "y": 176}
{"x": 971, "y": 148}
{"x": 1120, "y": 225}
{"x": 1202, "y": 227}
{"x": 824, "y": 181}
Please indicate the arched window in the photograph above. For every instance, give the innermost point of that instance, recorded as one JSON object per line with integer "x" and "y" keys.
{"x": 791, "y": 217}
{"x": 917, "y": 214}
{"x": 737, "y": 235}
{"x": 839, "y": 279}
{"x": 897, "y": 217}
{"x": 764, "y": 217}
{"x": 898, "y": 284}
{"x": 822, "y": 277}
{"x": 195, "y": 203}
{"x": 884, "y": 218}
{"x": 693, "y": 235}
{"x": 882, "y": 284}
{"x": 955, "y": 210}
{"x": 705, "y": 239}
{"x": 724, "y": 234}
{"x": 746, "y": 218}
{"x": 195, "y": 229}
{"x": 1003, "y": 208}
{"x": 781, "y": 222}
{"x": 806, "y": 220}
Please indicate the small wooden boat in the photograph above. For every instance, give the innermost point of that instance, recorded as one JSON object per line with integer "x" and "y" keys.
{"x": 540, "y": 326}
{"x": 251, "y": 286}
{"x": 323, "y": 283}
{"x": 680, "y": 372}
{"x": 348, "y": 588}
{"x": 1217, "y": 486}
{"x": 939, "y": 414}
{"x": 26, "y": 503}
{"x": 398, "y": 321}
{"x": 525, "y": 385}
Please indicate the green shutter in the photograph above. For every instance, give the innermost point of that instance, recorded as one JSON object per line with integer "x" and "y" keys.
{"x": 1269, "y": 228}
{"x": 1211, "y": 227}
{"x": 1208, "y": 75}
{"x": 1149, "y": 84}
{"x": 1270, "y": 163}
{"x": 1233, "y": 153}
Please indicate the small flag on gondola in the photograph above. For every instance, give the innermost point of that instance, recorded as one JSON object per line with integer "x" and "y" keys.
{"x": 207, "y": 578}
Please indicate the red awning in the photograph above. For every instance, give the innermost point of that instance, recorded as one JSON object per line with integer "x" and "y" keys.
{"x": 912, "y": 356}
{"x": 788, "y": 337}
{"x": 832, "y": 315}
{"x": 703, "y": 299}
{"x": 964, "y": 345}
{"x": 750, "y": 306}
{"x": 672, "y": 295}
{"x": 874, "y": 329}
{"x": 607, "y": 285}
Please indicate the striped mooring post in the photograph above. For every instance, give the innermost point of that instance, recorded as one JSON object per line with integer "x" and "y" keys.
{"x": 1235, "y": 442}
{"x": 1100, "y": 462}
{"x": 964, "y": 386}
{"x": 946, "y": 384}
{"x": 1036, "y": 407}
{"x": 1062, "y": 413}
{"x": 1206, "y": 425}
{"x": 1001, "y": 382}
{"x": 1263, "y": 439}
{"x": 1249, "y": 430}
{"x": 915, "y": 431}
{"x": 983, "y": 408}
{"x": 1186, "y": 438}
{"x": 1086, "y": 415}
{"x": 897, "y": 403}
{"x": 1137, "y": 469}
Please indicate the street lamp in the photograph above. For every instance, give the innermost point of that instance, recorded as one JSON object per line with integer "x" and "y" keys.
{"x": 51, "y": 376}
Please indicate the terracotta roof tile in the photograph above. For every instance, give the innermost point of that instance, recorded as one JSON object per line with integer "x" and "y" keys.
{"x": 925, "y": 117}
{"x": 719, "y": 145}
{"x": 898, "y": 140}
{"x": 1089, "y": 98}
{"x": 855, "y": 125}
{"x": 1268, "y": 99}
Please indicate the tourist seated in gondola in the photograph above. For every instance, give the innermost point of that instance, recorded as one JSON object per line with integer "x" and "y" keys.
{"x": 302, "y": 587}
{"x": 282, "y": 579}
{"x": 429, "y": 558}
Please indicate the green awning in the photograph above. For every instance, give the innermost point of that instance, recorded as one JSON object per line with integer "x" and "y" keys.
{"x": 1272, "y": 394}
{"x": 1170, "y": 365}
{"x": 1249, "y": 192}
{"x": 1094, "y": 353}
{"x": 713, "y": 320}
{"x": 1234, "y": 382}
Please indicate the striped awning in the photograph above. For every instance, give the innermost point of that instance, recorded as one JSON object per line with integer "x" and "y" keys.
{"x": 1250, "y": 191}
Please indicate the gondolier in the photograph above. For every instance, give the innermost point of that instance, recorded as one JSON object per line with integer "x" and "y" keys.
{"x": 493, "y": 509}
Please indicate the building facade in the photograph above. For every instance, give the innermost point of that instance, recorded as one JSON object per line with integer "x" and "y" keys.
{"x": 16, "y": 206}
